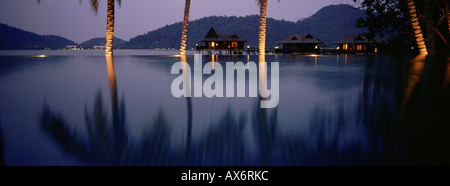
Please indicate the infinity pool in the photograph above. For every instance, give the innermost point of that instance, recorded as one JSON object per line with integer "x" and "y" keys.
{"x": 75, "y": 108}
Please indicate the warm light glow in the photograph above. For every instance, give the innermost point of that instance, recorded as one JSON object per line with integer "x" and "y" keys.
{"x": 262, "y": 27}
{"x": 212, "y": 60}
{"x": 345, "y": 47}
{"x": 412, "y": 48}
{"x": 109, "y": 29}
{"x": 248, "y": 46}
{"x": 276, "y": 47}
{"x": 376, "y": 50}
{"x": 415, "y": 72}
{"x": 40, "y": 56}
{"x": 416, "y": 26}
{"x": 337, "y": 48}
{"x": 316, "y": 47}
{"x": 234, "y": 44}
{"x": 213, "y": 44}
{"x": 196, "y": 44}
{"x": 112, "y": 82}
{"x": 185, "y": 27}
{"x": 358, "y": 47}
{"x": 447, "y": 14}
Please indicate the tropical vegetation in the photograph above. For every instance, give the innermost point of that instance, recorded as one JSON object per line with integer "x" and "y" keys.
{"x": 421, "y": 25}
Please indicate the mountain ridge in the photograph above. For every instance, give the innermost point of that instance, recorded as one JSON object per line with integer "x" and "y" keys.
{"x": 328, "y": 24}
{"x": 101, "y": 41}
{"x": 12, "y": 38}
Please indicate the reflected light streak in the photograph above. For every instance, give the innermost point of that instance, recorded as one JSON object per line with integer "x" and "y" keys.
{"x": 42, "y": 56}
{"x": 212, "y": 61}
{"x": 416, "y": 70}
{"x": 315, "y": 64}
{"x": 262, "y": 76}
{"x": 345, "y": 60}
{"x": 186, "y": 75}
{"x": 447, "y": 74}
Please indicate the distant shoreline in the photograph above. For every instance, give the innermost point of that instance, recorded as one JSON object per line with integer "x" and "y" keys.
{"x": 93, "y": 52}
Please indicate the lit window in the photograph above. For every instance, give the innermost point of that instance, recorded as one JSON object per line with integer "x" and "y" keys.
{"x": 213, "y": 44}
{"x": 358, "y": 47}
{"x": 345, "y": 47}
{"x": 234, "y": 44}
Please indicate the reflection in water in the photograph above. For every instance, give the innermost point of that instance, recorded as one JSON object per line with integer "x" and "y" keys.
{"x": 447, "y": 75}
{"x": 223, "y": 143}
{"x": 107, "y": 142}
{"x": 397, "y": 113}
{"x": 186, "y": 75}
{"x": 2, "y": 148}
{"x": 264, "y": 122}
{"x": 415, "y": 72}
{"x": 426, "y": 122}
{"x": 118, "y": 118}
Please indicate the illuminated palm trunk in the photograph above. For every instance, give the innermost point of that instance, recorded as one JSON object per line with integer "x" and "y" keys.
{"x": 262, "y": 27}
{"x": 109, "y": 29}
{"x": 185, "y": 27}
{"x": 447, "y": 14}
{"x": 416, "y": 26}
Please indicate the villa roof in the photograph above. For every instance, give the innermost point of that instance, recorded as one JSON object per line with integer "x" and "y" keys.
{"x": 357, "y": 39}
{"x": 213, "y": 35}
{"x": 301, "y": 38}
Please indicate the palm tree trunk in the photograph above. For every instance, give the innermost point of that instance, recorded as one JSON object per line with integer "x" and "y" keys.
{"x": 185, "y": 27}
{"x": 447, "y": 14}
{"x": 262, "y": 27}
{"x": 416, "y": 26}
{"x": 429, "y": 26}
{"x": 110, "y": 28}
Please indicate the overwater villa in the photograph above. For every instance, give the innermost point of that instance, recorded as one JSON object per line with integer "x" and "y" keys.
{"x": 213, "y": 41}
{"x": 301, "y": 43}
{"x": 358, "y": 43}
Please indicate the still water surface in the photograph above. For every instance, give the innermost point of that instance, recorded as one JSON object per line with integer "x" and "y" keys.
{"x": 72, "y": 108}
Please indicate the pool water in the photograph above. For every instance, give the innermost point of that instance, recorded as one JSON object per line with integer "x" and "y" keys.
{"x": 79, "y": 108}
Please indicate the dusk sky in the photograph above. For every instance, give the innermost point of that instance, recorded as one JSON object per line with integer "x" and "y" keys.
{"x": 75, "y": 21}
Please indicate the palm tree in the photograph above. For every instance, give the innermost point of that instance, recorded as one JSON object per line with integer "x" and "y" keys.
{"x": 428, "y": 17}
{"x": 416, "y": 26}
{"x": 109, "y": 23}
{"x": 107, "y": 141}
{"x": 447, "y": 14}
{"x": 262, "y": 25}
{"x": 185, "y": 27}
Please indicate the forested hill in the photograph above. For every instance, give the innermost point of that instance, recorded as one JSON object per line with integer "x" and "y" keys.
{"x": 329, "y": 24}
{"x": 101, "y": 41}
{"x": 16, "y": 39}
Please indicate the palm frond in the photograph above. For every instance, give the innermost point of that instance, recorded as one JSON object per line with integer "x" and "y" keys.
{"x": 259, "y": 2}
{"x": 94, "y": 6}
